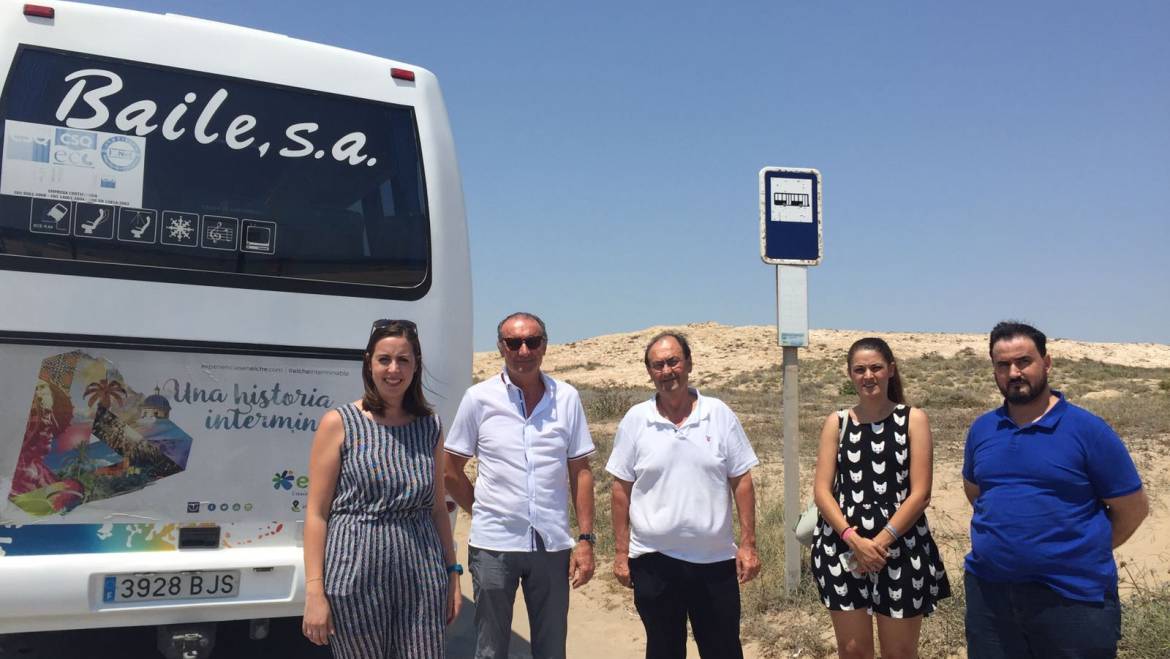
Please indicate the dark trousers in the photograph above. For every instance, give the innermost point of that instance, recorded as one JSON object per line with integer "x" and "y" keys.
{"x": 1021, "y": 620}
{"x": 668, "y": 591}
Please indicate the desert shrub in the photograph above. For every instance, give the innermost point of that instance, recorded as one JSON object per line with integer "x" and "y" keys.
{"x": 1138, "y": 417}
{"x": 609, "y": 403}
{"x": 939, "y": 398}
{"x": 590, "y": 366}
{"x": 1145, "y": 619}
{"x": 794, "y": 623}
{"x": 1084, "y": 376}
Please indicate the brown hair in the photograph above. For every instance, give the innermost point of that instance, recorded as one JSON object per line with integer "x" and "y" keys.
{"x": 414, "y": 401}
{"x": 894, "y": 390}
{"x": 668, "y": 334}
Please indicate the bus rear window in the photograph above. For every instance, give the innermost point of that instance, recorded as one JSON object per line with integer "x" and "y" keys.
{"x": 121, "y": 169}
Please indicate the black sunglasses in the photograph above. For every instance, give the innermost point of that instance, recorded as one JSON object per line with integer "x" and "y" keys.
{"x": 533, "y": 342}
{"x": 381, "y": 323}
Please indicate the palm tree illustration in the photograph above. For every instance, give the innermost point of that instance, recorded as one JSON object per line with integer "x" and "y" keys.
{"x": 103, "y": 394}
{"x": 125, "y": 440}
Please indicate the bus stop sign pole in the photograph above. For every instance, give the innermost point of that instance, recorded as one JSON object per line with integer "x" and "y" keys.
{"x": 791, "y": 239}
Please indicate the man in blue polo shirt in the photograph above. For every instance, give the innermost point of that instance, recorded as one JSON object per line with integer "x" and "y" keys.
{"x": 1054, "y": 492}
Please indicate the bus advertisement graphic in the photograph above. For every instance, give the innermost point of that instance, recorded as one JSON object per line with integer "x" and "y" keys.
{"x": 92, "y": 433}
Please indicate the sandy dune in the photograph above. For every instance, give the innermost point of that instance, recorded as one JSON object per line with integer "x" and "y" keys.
{"x": 616, "y": 359}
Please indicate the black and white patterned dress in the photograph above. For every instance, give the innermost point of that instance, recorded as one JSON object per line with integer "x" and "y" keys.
{"x": 873, "y": 479}
{"x": 384, "y": 573}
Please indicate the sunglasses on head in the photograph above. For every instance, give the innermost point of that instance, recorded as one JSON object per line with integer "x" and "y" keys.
{"x": 381, "y": 323}
{"x": 533, "y": 342}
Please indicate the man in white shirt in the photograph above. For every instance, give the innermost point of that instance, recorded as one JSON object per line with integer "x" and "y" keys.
{"x": 532, "y": 442}
{"x": 678, "y": 460}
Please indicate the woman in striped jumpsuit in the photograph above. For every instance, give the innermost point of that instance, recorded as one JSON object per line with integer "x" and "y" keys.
{"x": 381, "y": 578}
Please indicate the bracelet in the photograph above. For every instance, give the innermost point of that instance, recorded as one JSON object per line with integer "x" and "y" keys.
{"x": 846, "y": 532}
{"x": 309, "y": 581}
{"x": 889, "y": 528}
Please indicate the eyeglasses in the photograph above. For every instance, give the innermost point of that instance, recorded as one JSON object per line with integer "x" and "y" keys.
{"x": 663, "y": 364}
{"x": 533, "y": 342}
{"x": 382, "y": 323}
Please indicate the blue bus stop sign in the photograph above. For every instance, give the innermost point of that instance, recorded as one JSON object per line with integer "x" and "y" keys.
{"x": 790, "y": 216}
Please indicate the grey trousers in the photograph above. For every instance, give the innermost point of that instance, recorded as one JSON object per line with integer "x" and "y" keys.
{"x": 544, "y": 575}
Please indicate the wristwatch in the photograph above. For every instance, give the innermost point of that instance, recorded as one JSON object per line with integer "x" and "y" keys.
{"x": 456, "y": 568}
{"x": 587, "y": 537}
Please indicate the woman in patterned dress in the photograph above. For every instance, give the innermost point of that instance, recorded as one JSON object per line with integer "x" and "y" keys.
{"x": 381, "y": 578}
{"x": 873, "y": 555}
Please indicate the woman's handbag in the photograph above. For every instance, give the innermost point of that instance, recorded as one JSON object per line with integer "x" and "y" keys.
{"x": 805, "y": 525}
{"x": 807, "y": 522}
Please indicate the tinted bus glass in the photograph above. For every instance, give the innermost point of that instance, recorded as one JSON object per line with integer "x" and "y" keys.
{"x": 116, "y": 168}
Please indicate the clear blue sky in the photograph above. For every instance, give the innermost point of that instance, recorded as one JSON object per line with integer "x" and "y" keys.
{"x": 980, "y": 160}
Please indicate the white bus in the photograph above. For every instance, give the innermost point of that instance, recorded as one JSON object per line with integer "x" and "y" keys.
{"x": 198, "y": 223}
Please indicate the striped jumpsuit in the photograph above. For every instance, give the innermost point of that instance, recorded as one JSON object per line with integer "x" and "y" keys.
{"x": 384, "y": 572}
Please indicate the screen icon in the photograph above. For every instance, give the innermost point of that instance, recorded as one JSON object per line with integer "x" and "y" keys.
{"x": 259, "y": 237}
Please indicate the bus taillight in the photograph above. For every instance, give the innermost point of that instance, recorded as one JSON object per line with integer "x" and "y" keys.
{"x": 39, "y": 11}
{"x": 402, "y": 74}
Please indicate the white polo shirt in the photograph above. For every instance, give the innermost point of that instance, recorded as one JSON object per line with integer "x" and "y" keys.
{"x": 523, "y": 480}
{"x": 680, "y": 504}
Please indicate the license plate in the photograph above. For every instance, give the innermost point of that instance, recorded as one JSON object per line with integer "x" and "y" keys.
{"x": 156, "y": 586}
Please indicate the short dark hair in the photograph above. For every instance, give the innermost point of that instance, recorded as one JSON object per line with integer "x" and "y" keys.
{"x": 414, "y": 401}
{"x": 668, "y": 334}
{"x": 894, "y": 390}
{"x": 520, "y": 314}
{"x": 1010, "y": 329}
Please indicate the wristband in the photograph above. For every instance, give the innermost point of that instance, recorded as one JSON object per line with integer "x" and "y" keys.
{"x": 587, "y": 537}
{"x": 889, "y": 528}
{"x": 846, "y": 532}
{"x": 455, "y": 568}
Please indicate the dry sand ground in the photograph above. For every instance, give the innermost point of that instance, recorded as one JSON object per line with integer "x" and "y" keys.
{"x": 603, "y": 622}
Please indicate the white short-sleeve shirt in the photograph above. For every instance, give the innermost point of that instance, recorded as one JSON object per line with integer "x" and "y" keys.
{"x": 680, "y": 504}
{"x": 522, "y": 484}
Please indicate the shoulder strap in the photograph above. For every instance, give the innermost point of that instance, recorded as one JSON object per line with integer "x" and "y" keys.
{"x": 842, "y": 421}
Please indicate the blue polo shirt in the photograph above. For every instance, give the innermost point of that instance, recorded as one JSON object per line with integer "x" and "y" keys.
{"x": 1039, "y": 516}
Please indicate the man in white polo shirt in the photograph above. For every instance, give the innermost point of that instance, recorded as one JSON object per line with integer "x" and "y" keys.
{"x": 678, "y": 460}
{"x": 532, "y": 442}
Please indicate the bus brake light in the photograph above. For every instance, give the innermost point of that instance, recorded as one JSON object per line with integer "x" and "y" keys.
{"x": 402, "y": 74}
{"x": 39, "y": 11}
